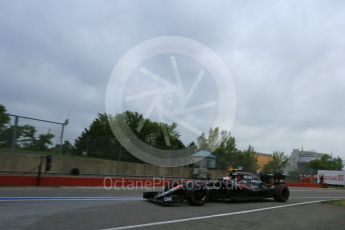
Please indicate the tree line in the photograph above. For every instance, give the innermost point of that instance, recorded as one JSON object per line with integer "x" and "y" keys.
{"x": 99, "y": 141}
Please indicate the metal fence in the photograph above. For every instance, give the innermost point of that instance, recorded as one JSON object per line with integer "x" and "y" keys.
{"x": 27, "y": 133}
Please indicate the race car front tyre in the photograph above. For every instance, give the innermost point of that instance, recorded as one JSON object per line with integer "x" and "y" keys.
{"x": 281, "y": 193}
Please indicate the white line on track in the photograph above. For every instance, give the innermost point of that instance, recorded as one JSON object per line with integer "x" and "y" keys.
{"x": 212, "y": 216}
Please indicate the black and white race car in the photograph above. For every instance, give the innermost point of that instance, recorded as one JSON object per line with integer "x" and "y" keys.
{"x": 235, "y": 186}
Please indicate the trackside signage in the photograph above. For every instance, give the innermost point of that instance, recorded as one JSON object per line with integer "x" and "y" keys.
{"x": 331, "y": 177}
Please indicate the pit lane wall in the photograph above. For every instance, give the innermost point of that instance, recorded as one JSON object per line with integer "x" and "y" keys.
{"x": 331, "y": 177}
{"x": 14, "y": 163}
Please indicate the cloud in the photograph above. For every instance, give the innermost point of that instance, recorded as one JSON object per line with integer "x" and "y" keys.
{"x": 286, "y": 59}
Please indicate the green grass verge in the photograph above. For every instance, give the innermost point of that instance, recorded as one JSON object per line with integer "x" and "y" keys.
{"x": 336, "y": 202}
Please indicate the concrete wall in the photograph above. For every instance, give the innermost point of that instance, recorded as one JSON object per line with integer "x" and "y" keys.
{"x": 16, "y": 162}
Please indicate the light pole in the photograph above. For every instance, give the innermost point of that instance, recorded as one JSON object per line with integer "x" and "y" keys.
{"x": 14, "y": 134}
{"x": 61, "y": 135}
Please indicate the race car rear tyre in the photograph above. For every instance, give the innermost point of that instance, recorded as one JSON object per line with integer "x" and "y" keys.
{"x": 281, "y": 193}
{"x": 197, "y": 196}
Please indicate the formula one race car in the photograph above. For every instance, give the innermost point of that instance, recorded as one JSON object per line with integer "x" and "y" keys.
{"x": 236, "y": 186}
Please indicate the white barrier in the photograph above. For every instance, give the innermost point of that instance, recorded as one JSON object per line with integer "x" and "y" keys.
{"x": 331, "y": 177}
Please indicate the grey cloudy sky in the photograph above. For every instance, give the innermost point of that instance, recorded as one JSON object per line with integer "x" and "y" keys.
{"x": 286, "y": 59}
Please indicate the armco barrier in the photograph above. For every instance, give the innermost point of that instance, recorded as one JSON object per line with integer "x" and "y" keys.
{"x": 12, "y": 180}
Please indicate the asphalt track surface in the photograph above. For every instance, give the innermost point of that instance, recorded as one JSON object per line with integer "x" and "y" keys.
{"x": 97, "y": 208}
